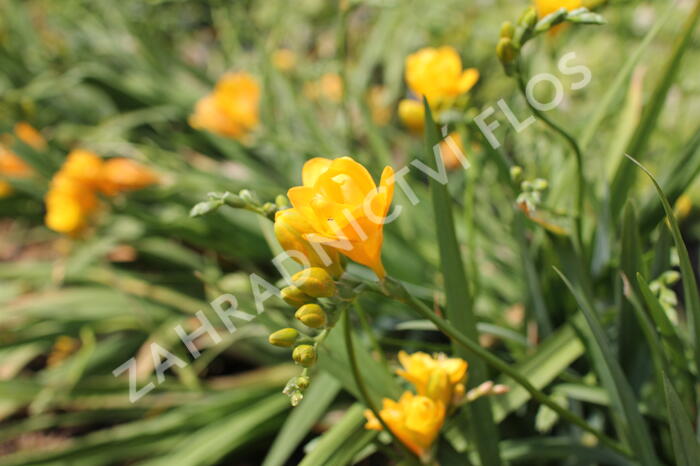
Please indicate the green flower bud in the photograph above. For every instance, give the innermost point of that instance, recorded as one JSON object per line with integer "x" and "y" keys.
{"x": 295, "y": 297}
{"x": 506, "y": 51}
{"x": 284, "y": 338}
{"x": 529, "y": 18}
{"x": 304, "y": 355}
{"x": 282, "y": 201}
{"x": 539, "y": 184}
{"x": 303, "y": 382}
{"x": 249, "y": 197}
{"x": 516, "y": 173}
{"x": 311, "y": 315}
{"x": 507, "y": 29}
{"x": 315, "y": 282}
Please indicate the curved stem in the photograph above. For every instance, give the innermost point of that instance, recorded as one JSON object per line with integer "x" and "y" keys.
{"x": 578, "y": 155}
{"x": 362, "y": 388}
{"x": 399, "y": 293}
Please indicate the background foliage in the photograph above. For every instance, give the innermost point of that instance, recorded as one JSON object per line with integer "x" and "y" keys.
{"x": 122, "y": 78}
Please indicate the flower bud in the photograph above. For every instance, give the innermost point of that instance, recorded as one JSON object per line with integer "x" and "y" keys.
{"x": 303, "y": 382}
{"x": 540, "y": 184}
{"x": 506, "y": 51}
{"x": 311, "y": 315}
{"x": 304, "y": 355}
{"x": 249, "y": 197}
{"x": 315, "y": 282}
{"x": 295, "y": 297}
{"x": 529, "y": 18}
{"x": 507, "y": 29}
{"x": 411, "y": 114}
{"x": 284, "y": 338}
{"x": 516, "y": 173}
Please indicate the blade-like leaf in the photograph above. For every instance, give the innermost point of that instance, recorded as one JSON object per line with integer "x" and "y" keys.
{"x": 459, "y": 302}
{"x": 631, "y": 425}
{"x": 685, "y": 445}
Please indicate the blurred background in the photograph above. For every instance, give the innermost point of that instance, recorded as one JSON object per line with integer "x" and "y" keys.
{"x": 121, "y": 80}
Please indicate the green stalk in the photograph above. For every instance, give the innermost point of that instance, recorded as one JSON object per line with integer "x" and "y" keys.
{"x": 362, "y": 388}
{"x": 578, "y": 155}
{"x": 396, "y": 290}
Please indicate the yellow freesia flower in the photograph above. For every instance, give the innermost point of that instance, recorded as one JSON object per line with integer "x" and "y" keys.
{"x": 232, "y": 110}
{"x": 291, "y": 229}
{"x": 284, "y": 59}
{"x": 437, "y": 74}
{"x": 545, "y": 7}
{"x": 344, "y": 208}
{"x": 415, "y": 420}
{"x": 440, "y": 377}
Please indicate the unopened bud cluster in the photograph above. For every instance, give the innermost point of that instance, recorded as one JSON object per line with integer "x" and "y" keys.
{"x": 245, "y": 199}
{"x": 309, "y": 287}
{"x": 531, "y": 195}
{"x": 514, "y": 36}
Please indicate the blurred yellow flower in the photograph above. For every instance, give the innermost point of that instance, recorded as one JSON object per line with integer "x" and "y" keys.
{"x": 452, "y": 150}
{"x": 11, "y": 164}
{"x": 329, "y": 86}
{"x": 284, "y": 59}
{"x": 378, "y": 101}
{"x": 121, "y": 174}
{"x": 439, "y": 377}
{"x": 545, "y": 7}
{"x": 232, "y": 110}
{"x": 72, "y": 196}
{"x": 29, "y": 135}
{"x": 343, "y": 208}
{"x": 415, "y": 420}
{"x": 437, "y": 74}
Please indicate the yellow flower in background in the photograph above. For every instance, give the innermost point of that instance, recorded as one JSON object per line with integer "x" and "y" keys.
{"x": 438, "y": 377}
{"x": 72, "y": 196}
{"x": 121, "y": 174}
{"x": 343, "y": 208}
{"x": 452, "y": 150}
{"x": 415, "y": 420}
{"x": 329, "y": 86}
{"x": 10, "y": 163}
{"x": 545, "y": 7}
{"x": 378, "y": 102}
{"x": 232, "y": 110}
{"x": 437, "y": 74}
{"x": 30, "y": 135}
{"x": 290, "y": 230}
{"x": 284, "y": 59}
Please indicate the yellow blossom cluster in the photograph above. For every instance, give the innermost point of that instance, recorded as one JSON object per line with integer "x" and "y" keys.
{"x": 73, "y": 194}
{"x": 416, "y": 419}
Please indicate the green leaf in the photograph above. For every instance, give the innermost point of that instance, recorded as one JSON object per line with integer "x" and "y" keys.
{"x": 631, "y": 425}
{"x": 459, "y": 302}
{"x": 685, "y": 445}
{"x": 690, "y": 287}
{"x": 317, "y": 398}
{"x": 336, "y": 437}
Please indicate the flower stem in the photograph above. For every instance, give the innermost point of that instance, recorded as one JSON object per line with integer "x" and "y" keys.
{"x": 397, "y": 291}
{"x": 578, "y": 155}
{"x": 362, "y": 388}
